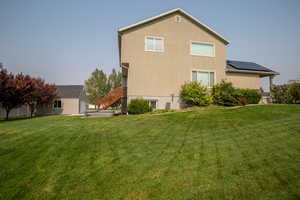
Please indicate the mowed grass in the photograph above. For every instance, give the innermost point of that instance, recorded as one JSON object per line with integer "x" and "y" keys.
{"x": 244, "y": 153}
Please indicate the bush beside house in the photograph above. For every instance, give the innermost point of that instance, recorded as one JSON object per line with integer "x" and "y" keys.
{"x": 139, "y": 106}
{"x": 251, "y": 96}
{"x": 194, "y": 94}
{"x": 223, "y": 94}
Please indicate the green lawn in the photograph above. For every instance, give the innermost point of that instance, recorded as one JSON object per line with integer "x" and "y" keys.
{"x": 245, "y": 153}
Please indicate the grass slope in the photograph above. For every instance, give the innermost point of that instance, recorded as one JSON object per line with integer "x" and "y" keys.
{"x": 244, "y": 153}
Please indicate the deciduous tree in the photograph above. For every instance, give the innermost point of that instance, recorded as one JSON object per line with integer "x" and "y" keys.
{"x": 48, "y": 94}
{"x": 42, "y": 94}
{"x": 20, "y": 89}
{"x": 13, "y": 89}
{"x": 5, "y": 81}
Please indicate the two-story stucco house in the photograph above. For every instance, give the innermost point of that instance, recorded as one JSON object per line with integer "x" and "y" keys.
{"x": 158, "y": 55}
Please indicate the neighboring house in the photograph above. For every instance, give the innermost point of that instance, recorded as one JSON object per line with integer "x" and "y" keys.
{"x": 92, "y": 106}
{"x": 71, "y": 100}
{"x": 158, "y": 55}
{"x": 294, "y": 81}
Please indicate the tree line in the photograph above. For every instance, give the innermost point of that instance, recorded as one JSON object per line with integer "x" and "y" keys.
{"x": 100, "y": 84}
{"x": 18, "y": 90}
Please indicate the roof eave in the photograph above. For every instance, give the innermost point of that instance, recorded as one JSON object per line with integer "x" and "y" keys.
{"x": 262, "y": 73}
{"x": 120, "y": 30}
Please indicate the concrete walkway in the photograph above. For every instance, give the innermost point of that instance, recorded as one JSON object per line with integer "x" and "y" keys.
{"x": 102, "y": 113}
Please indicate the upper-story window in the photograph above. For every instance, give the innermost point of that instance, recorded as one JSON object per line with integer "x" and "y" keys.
{"x": 202, "y": 49}
{"x": 154, "y": 44}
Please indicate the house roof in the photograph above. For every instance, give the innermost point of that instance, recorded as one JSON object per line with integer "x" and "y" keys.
{"x": 69, "y": 91}
{"x": 248, "y": 67}
{"x": 179, "y": 10}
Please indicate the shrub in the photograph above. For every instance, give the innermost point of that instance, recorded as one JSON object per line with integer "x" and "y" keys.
{"x": 252, "y": 96}
{"x": 224, "y": 94}
{"x": 139, "y": 106}
{"x": 243, "y": 101}
{"x": 281, "y": 94}
{"x": 294, "y": 91}
{"x": 194, "y": 94}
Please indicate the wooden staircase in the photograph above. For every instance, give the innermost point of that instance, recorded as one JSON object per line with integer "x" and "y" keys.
{"x": 111, "y": 98}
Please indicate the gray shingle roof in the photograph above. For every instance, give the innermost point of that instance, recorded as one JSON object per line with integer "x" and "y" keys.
{"x": 241, "y": 65}
{"x": 69, "y": 91}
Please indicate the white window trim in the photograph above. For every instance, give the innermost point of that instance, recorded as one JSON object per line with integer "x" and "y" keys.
{"x": 155, "y": 37}
{"x": 211, "y": 43}
{"x": 205, "y": 70}
{"x": 156, "y": 102}
{"x": 61, "y": 104}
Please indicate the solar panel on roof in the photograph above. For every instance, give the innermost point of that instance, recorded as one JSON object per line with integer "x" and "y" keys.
{"x": 247, "y": 66}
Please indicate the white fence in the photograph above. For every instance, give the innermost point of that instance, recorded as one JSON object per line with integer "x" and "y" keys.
{"x": 23, "y": 111}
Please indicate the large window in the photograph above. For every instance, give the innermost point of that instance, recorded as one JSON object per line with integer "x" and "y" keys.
{"x": 202, "y": 49}
{"x": 205, "y": 78}
{"x": 57, "y": 104}
{"x": 154, "y": 44}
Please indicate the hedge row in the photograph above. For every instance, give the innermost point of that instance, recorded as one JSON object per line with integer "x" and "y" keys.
{"x": 224, "y": 94}
{"x": 194, "y": 94}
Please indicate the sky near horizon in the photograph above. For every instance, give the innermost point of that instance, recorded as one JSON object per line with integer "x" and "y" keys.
{"x": 63, "y": 41}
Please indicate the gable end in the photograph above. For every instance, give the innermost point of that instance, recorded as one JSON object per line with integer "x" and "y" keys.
{"x": 180, "y": 11}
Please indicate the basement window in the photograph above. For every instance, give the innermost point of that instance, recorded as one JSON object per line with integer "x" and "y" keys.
{"x": 152, "y": 103}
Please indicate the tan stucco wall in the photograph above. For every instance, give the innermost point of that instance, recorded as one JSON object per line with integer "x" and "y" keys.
{"x": 243, "y": 80}
{"x": 70, "y": 106}
{"x": 163, "y": 73}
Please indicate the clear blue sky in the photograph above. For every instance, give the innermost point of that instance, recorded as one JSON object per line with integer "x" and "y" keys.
{"x": 64, "y": 41}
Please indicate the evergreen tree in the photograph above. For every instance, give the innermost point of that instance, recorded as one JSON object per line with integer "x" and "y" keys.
{"x": 97, "y": 86}
{"x": 115, "y": 79}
